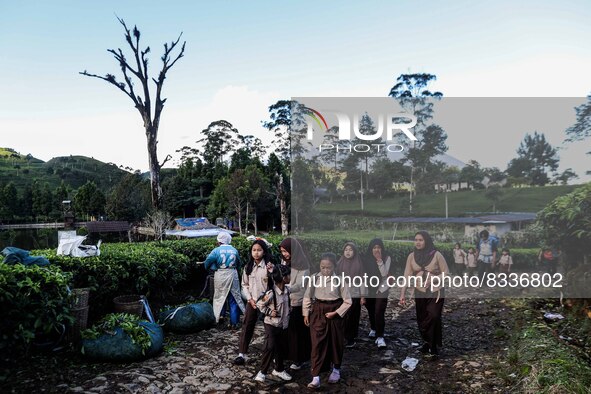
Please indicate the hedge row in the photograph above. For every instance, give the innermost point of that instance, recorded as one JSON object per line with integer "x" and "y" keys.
{"x": 123, "y": 268}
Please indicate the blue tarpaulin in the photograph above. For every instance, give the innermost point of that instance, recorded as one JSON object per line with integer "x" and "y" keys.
{"x": 14, "y": 255}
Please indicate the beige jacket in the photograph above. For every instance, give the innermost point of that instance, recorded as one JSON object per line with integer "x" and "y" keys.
{"x": 437, "y": 266}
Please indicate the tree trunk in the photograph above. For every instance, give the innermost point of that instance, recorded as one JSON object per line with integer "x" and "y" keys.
{"x": 156, "y": 190}
{"x": 256, "y": 229}
{"x": 282, "y": 207}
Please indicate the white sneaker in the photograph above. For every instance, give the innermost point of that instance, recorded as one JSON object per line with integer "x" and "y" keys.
{"x": 372, "y": 334}
{"x": 295, "y": 367}
{"x": 260, "y": 377}
{"x": 334, "y": 377}
{"x": 283, "y": 375}
{"x": 381, "y": 343}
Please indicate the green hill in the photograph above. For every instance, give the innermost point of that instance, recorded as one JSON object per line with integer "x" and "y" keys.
{"x": 529, "y": 199}
{"x": 75, "y": 171}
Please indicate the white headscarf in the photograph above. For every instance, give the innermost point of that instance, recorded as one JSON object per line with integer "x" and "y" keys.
{"x": 224, "y": 238}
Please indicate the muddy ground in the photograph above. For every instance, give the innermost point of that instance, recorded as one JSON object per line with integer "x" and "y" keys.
{"x": 475, "y": 334}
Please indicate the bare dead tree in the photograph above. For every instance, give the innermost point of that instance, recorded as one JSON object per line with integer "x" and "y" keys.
{"x": 139, "y": 71}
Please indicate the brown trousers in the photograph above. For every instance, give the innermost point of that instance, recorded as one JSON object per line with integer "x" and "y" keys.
{"x": 352, "y": 320}
{"x": 429, "y": 318}
{"x": 275, "y": 348}
{"x": 504, "y": 268}
{"x": 327, "y": 335}
{"x": 251, "y": 316}
{"x": 298, "y": 336}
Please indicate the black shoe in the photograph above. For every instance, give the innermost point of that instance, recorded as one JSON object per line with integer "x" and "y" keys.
{"x": 350, "y": 344}
{"x": 239, "y": 360}
{"x": 424, "y": 349}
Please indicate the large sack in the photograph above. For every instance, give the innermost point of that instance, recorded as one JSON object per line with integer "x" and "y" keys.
{"x": 188, "y": 319}
{"x": 119, "y": 347}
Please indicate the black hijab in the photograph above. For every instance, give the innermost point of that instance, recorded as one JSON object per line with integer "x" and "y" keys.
{"x": 298, "y": 259}
{"x": 424, "y": 256}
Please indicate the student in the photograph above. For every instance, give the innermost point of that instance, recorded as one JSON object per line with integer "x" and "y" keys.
{"x": 471, "y": 263}
{"x": 505, "y": 262}
{"x": 275, "y": 306}
{"x": 425, "y": 261}
{"x": 224, "y": 260}
{"x": 459, "y": 259}
{"x": 350, "y": 266}
{"x": 486, "y": 252}
{"x": 255, "y": 281}
{"x": 298, "y": 334}
{"x": 323, "y": 308}
{"x": 378, "y": 264}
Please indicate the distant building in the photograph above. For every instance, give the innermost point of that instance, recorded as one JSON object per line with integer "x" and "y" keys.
{"x": 498, "y": 224}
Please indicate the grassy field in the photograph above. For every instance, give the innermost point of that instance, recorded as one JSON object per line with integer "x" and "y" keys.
{"x": 531, "y": 199}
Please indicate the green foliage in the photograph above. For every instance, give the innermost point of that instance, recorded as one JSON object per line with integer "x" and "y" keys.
{"x": 34, "y": 303}
{"x": 127, "y": 322}
{"x": 123, "y": 268}
{"x": 89, "y": 200}
{"x": 130, "y": 199}
{"x": 567, "y": 222}
{"x": 536, "y": 158}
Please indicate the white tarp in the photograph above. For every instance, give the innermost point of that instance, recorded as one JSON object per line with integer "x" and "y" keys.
{"x": 70, "y": 244}
{"x": 208, "y": 232}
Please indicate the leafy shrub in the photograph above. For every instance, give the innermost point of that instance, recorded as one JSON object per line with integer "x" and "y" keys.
{"x": 141, "y": 268}
{"x": 34, "y": 303}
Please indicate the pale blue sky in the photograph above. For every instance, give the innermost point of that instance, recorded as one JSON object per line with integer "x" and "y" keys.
{"x": 243, "y": 56}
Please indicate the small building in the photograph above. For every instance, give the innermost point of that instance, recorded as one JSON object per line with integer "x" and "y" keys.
{"x": 498, "y": 224}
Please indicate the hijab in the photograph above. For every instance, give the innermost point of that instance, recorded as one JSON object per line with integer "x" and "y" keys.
{"x": 424, "y": 256}
{"x": 350, "y": 267}
{"x": 298, "y": 259}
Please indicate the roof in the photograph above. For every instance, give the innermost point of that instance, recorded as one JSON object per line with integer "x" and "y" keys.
{"x": 107, "y": 227}
{"x": 194, "y": 224}
{"x": 484, "y": 219}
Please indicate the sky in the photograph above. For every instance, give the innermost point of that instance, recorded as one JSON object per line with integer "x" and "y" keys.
{"x": 241, "y": 57}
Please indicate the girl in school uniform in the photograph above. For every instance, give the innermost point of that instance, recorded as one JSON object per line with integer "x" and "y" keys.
{"x": 324, "y": 307}
{"x": 506, "y": 261}
{"x": 298, "y": 334}
{"x": 378, "y": 264}
{"x": 471, "y": 263}
{"x": 459, "y": 259}
{"x": 275, "y": 306}
{"x": 425, "y": 262}
{"x": 351, "y": 266}
{"x": 255, "y": 281}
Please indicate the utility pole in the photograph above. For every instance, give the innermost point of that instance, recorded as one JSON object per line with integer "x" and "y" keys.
{"x": 361, "y": 191}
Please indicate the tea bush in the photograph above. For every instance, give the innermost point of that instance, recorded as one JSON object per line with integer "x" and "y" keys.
{"x": 34, "y": 304}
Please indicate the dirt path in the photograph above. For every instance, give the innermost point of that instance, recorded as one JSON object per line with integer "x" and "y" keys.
{"x": 475, "y": 336}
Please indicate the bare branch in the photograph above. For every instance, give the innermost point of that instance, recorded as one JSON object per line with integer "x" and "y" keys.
{"x": 110, "y": 79}
{"x": 168, "y": 157}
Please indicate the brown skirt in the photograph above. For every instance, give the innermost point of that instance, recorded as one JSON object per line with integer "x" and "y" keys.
{"x": 327, "y": 336}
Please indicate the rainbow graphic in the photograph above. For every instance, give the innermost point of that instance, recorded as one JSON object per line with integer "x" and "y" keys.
{"x": 317, "y": 116}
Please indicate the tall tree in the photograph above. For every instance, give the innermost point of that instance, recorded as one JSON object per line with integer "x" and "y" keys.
{"x": 139, "y": 72}
{"x": 89, "y": 200}
{"x": 536, "y": 158}
{"x": 286, "y": 121}
{"x": 219, "y": 140}
{"x": 413, "y": 94}
{"x": 130, "y": 199}
{"x": 582, "y": 127}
